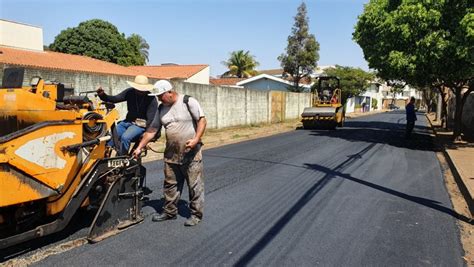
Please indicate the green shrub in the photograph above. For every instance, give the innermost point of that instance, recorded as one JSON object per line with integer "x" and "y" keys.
{"x": 374, "y": 103}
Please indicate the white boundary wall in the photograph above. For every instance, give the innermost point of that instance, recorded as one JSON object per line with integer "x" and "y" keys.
{"x": 223, "y": 106}
{"x": 227, "y": 106}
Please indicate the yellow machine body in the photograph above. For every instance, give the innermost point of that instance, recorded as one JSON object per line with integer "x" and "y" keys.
{"x": 32, "y": 165}
{"x": 326, "y": 110}
{"x": 54, "y": 160}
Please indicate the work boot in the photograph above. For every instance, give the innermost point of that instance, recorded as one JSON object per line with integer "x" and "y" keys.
{"x": 163, "y": 217}
{"x": 192, "y": 221}
{"x": 146, "y": 190}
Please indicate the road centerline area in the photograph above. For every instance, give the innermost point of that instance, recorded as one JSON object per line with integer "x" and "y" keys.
{"x": 360, "y": 195}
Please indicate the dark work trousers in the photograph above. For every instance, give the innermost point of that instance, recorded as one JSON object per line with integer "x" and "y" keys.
{"x": 175, "y": 175}
{"x": 409, "y": 129}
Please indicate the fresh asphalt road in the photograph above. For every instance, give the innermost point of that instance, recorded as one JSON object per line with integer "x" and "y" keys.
{"x": 360, "y": 195}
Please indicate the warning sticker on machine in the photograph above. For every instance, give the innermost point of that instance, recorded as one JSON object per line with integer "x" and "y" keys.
{"x": 117, "y": 163}
{"x": 9, "y": 97}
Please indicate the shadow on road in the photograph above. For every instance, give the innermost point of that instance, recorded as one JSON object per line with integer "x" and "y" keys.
{"x": 248, "y": 226}
{"x": 78, "y": 228}
{"x": 302, "y": 201}
{"x": 419, "y": 200}
{"x": 157, "y": 205}
{"x": 75, "y": 229}
{"x": 311, "y": 192}
{"x": 392, "y": 134}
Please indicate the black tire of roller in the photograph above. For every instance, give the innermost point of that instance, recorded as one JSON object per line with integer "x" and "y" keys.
{"x": 341, "y": 123}
{"x": 307, "y": 125}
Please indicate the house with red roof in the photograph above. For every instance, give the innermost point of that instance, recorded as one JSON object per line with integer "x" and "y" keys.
{"x": 231, "y": 82}
{"x": 185, "y": 73}
{"x": 21, "y": 45}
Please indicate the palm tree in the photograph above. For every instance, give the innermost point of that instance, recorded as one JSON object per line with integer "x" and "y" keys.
{"x": 141, "y": 44}
{"x": 240, "y": 64}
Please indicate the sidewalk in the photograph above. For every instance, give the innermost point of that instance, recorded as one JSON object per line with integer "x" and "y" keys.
{"x": 219, "y": 137}
{"x": 460, "y": 158}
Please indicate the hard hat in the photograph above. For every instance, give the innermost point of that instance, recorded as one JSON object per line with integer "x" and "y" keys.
{"x": 161, "y": 87}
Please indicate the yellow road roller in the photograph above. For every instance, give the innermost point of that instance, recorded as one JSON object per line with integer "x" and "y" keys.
{"x": 53, "y": 161}
{"x": 326, "y": 110}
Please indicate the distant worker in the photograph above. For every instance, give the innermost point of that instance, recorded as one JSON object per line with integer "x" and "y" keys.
{"x": 141, "y": 111}
{"x": 411, "y": 117}
{"x": 334, "y": 99}
{"x": 325, "y": 96}
{"x": 184, "y": 123}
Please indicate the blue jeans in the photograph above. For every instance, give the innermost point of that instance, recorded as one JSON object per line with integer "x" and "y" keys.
{"x": 127, "y": 133}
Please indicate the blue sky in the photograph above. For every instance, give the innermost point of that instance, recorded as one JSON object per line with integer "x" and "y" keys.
{"x": 206, "y": 31}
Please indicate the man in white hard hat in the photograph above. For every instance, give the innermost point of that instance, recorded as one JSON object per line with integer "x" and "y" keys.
{"x": 184, "y": 123}
{"x": 141, "y": 111}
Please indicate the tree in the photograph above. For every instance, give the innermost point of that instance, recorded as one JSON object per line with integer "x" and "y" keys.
{"x": 101, "y": 40}
{"x": 425, "y": 43}
{"x": 374, "y": 103}
{"x": 130, "y": 55}
{"x": 140, "y": 44}
{"x": 429, "y": 97}
{"x": 396, "y": 87}
{"x": 354, "y": 81}
{"x": 241, "y": 64}
{"x": 302, "y": 52}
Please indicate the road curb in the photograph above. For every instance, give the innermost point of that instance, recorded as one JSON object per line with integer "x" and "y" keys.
{"x": 457, "y": 177}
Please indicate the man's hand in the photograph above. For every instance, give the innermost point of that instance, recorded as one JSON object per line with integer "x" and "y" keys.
{"x": 137, "y": 152}
{"x": 190, "y": 144}
{"x": 100, "y": 91}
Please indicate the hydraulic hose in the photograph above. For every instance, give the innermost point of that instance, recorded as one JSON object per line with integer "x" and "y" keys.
{"x": 95, "y": 131}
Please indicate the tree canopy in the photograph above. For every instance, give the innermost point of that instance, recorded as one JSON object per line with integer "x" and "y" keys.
{"x": 241, "y": 64}
{"x": 139, "y": 44}
{"x": 424, "y": 43}
{"x": 102, "y": 40}
{"x": 354, "y": 81}
{"x": 302, "y": 52}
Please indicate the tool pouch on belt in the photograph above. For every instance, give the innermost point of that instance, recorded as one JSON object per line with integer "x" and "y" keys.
{"x": 140, "y": 122}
